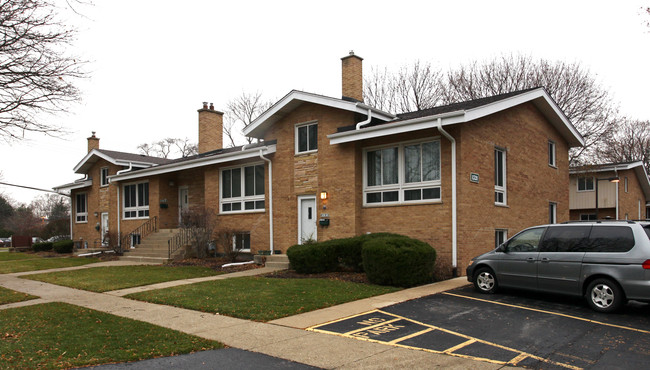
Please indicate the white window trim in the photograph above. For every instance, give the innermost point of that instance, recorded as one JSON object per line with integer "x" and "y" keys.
{"x": 295, "y": 135}
{"x": 586, "y": 190}
{"x": 505, "y": 234}
{"x": 625, "y": 183}
{"x": 587, "y": 216}
{"x": 243, "y": 198}
{"x": 552, "y": 151}
{"x": 77, "y": 214}
{"x": 552, "y": 206}
{"x": 502, "y": 189}
{"x": 401, "y": 176}
{"x": 101, "y": 178}
{"x": 137, "y": 208}
{"x": 234, "y": 241}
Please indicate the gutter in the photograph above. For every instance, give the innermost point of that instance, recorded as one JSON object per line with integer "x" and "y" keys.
{"x": 270, "y": 199}
{"x": 454, "y": 200}
{"x": 367, "y": 121}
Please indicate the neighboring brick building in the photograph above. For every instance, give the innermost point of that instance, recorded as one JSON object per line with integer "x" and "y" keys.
{"x": 460, "y": 177}
{"x": 623, "y": 191}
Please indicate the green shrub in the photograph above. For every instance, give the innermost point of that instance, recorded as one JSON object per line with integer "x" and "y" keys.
{"x": 398, "y": 261}
{"x": 64, "y": 246}
{"x": 312, "y": 258}
{"x": 42, "y": 247}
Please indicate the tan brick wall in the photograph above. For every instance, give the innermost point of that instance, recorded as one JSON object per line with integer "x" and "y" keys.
{"x": 629, "y": 202}
{"x": 352, "y": 77}
{"x": 210, "y": 130}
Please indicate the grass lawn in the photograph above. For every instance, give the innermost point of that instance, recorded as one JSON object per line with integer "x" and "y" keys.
{"x": 13, "y": 256}
{"x": 260, "y": 298}
{"x": 103, "y": 279}
{"x": 60, "y": 335}
{"x": 39, "y": 263}
{"x": 11, "y": 296}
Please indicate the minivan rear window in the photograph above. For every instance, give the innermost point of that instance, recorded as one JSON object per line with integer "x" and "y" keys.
{"x": 566, "y": 239}
{"x": 611, "y": 239}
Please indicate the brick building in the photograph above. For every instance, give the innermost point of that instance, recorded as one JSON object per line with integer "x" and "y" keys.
{"x": 460, "y": 177}
{"x": 623, "y": 191}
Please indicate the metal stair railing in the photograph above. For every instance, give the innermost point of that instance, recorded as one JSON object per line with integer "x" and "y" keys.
{"x": 178, "y": 241}
{"x": 147, "y": 228}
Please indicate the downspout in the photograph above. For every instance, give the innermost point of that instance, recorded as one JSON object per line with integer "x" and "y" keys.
{"x": 454, "y": 216}
{"x": 367, "y": 121}
{"x": 119, "y": 235}
{"x": 270, "y": 200}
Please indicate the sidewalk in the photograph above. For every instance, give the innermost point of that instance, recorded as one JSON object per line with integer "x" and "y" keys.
{"x": 283, "y": 338}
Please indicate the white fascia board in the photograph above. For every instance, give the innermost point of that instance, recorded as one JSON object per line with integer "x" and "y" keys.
{"x": 199, "y": 162}
{"x": 110, "y": 160}
{"x": 302, "y": 96}
{"x": 74, "y": 185}
{"x": 399, "y": 127}
{"x": 609, "y": 168}
{"x": 574, "y": 137}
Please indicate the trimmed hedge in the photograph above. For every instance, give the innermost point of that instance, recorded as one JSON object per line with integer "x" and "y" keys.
{"x": 42, "y": 247}
{"x": 64, "y": 246}
{"x": 313, "y": 258}
{"x": 398, "y": 261}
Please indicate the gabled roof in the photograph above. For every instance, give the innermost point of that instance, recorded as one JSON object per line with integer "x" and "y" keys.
{"x": 117, "y": 158}
{"x": 295, "y": 98}
{"x": 464, "y": 112}
{"x": 637, "y": 166}
{"x": 77, "y": 184}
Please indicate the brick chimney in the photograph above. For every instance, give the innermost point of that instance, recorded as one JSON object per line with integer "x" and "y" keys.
{"x": 93, "y": 142}
{"x": 352, "y": 77}
{"x": 210, "y": 128}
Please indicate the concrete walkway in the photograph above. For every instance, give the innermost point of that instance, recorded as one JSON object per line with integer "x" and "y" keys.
{"x": 283, "y": 338}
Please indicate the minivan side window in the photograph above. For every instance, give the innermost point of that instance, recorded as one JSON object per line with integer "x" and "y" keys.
{"x": 566, "y": 239}
{"x": 611, "y": 239}
{"x": 526, "y": 241}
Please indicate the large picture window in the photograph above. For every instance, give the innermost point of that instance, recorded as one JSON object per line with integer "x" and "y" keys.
{"x": 136, "y": 200}
{"x": 402, "y": 173}
{"x": 307, "y": 138}
{"x": 81, "y": 208}
{"x": 500, "y": 195}
{"x": 242, "y": 189}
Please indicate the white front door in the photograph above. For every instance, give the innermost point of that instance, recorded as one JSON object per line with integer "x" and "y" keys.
{"x": 183, "y": 202}
{"x": 104, "y": 228}
{"x": 307, "y": 216}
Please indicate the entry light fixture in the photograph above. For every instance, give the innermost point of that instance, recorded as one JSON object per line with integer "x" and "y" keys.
{"x": 323, "y": 195}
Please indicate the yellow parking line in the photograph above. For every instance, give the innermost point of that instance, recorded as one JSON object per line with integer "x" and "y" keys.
{"x": 411, "y": 335}
{"x": 370, "y": 327}
{"x": 550, "y": 312}
{"x": 459, "y": 346}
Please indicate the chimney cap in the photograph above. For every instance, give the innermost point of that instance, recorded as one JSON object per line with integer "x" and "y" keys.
{"x": 350, "y": 55}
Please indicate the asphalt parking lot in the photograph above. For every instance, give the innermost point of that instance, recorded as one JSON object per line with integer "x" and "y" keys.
{"x": 511, "y": 327}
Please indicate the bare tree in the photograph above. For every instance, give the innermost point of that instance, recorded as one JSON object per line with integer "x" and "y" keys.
{"x": 51, "y": 206}
{"x": 199, "y": 222}
{"x": 36, "y": 76}
{"x": 573, "y": 87}
{"x": 630, "y": 142}
{"x": 186, "y": 148}
{"x": 241, "y": 111}
{"x": 414, "y": 87}
{"x": 169, "y": 146}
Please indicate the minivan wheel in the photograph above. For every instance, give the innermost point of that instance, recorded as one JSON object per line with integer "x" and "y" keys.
{"x": 485, "y": 281}
{"x": 604, "y": 295}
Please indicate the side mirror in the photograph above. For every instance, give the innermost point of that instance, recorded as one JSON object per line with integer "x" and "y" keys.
{"x": 502, "y": 248}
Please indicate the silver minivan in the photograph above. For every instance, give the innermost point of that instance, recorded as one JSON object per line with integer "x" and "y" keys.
{"x": 607, "y": 262}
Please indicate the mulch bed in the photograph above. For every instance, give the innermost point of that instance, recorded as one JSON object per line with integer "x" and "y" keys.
{"x": 355, "y": 277}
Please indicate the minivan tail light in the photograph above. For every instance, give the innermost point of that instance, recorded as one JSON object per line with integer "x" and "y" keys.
{"x": 646, "y": 265}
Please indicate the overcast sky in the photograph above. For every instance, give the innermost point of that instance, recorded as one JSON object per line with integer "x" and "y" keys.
{"x": 151, "y": 65}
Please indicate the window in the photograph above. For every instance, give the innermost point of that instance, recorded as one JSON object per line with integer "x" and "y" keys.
{"x": 551, "y": 153}
{"x": 566, "y": 239}
{"x": 307, "y": 138}
{"x": 500, "y": 176}
{"x": 585, "y": 183}
{"x": 104, "y": 176}
{"x": 587, "y": 217}
{"x": 136, "y": 200}
{"x": 402, "y": 173}
{"x": 526, "y": 241}
{"x": 242, "y": 189}
{"x": 242, "y": 241}
{"x": 552, "y": 213}
{"x": 611, "y": 239}
{"x": 81, "y": 207}
{"x": 625, "y": 183}
{"x": 500, "y": 237}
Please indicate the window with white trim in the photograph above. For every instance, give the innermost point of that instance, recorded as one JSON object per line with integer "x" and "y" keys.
{"x": 625, "y": 183}
{"x": 136, "y": 200}
{"x": 552, "y": 212}
{"x": 500, "y": 236}
{"x": 242, "y": 241}
{"x": 585, "y": 183}
{"x": 551, "y": 153}
{"x": 81, "y": 207}
{"x": 103, "y": 175}
{"x": 402, "y": 173}
{"x": 242, "y": 189}
{"x": 587, "y": 217}
{"x": 500, "y": 195}
{"x": 307, "y": 137}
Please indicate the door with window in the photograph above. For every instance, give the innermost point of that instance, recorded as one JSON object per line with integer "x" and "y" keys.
{"x": 183, "y": 202}
{"x": 517, "y": 264}
{"x": 104, "y": 229}
{"x": 306, "y": 219}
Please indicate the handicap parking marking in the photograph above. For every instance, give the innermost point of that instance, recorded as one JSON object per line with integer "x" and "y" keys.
{"x": 548, "y": 312}
{"x": 395, "y": 330}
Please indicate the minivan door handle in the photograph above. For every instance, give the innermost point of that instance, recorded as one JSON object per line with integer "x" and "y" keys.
{"x": 545, "y": 259}
{"x": 530, "y": 259}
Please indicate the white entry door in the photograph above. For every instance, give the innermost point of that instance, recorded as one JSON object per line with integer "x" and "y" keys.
{"x": 307, "y": 216}
{"x": 183, "y": 202}
{"x": 104, "y": 228}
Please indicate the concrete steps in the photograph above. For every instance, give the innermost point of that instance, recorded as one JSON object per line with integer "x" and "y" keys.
{"x": 153, "y": 248}
{"x": 279, "y": 261}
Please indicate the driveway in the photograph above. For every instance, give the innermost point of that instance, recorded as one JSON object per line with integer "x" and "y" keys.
{"x": 509, "y": 328}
